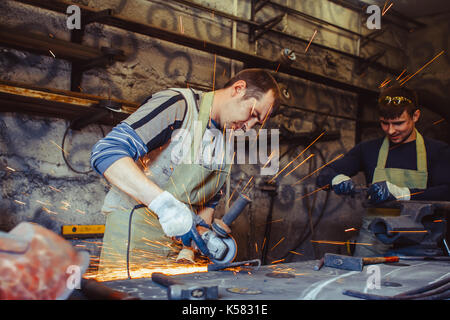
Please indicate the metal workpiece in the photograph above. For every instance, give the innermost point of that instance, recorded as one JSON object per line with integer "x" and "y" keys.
{"x": 419, "y": 229}
{"x": 299, "y": 281}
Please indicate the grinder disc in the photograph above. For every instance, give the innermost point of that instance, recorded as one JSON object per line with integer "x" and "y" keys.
{"x": 231, "y": 253}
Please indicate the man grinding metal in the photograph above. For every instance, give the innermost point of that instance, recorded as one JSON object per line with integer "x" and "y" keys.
{"x": 401, "y": 166}
{"x": 153, "y": 196}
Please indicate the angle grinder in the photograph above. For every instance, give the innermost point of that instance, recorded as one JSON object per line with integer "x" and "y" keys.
{"x": 221, "y": 246}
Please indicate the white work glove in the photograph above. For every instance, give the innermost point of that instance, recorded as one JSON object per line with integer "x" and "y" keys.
{"x": 174, "y": 216}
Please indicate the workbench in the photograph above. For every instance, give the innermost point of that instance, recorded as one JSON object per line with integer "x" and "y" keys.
{"x": 298, "y": 281}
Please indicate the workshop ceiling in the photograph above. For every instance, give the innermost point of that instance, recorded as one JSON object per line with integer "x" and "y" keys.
{"x": 415, "y": 8}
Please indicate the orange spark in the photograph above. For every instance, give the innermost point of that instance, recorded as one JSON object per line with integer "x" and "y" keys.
{"x": 40, "y": 202}
{"x": 278, "y": 67}
{"x": 264, "y": 121}
{"x": 273, "y": 221}
{"x": 425, "y": 65}
{"x": 146, "y": 272}
{"x": 384, "y": 83}
{"x": 49, "y": 211}
{"x": 401, "y": 74}
{"x": 271, "y": 180}
{"x": 281, "y": 240}
{"x": 187, "y": 196}
{"x": 439, "y": 121}
{"x": 412, "y": 194}
{"x": 247, "y": 183}
{"x": 307, "y": 195}
{"x": 234, "y": 191}
{"x": 310, "y": 156}
{"x": 384, "y": 11}
{"x": 269, "y": 158}
{"x": 277, "y": 261}
{"x": 315, "y": 32}
{"x": 54, "y": 189}
{"x": 339, "y": 242}
{"x": 339, "y": 156}
{"x": 297, "y": 253}
{"x": 59, "y": 147}
{"x": 350, "y": 229}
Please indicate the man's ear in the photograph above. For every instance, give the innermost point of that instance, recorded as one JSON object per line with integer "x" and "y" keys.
{"x": 416, "y": 115}
{"x": 239, "y": 88}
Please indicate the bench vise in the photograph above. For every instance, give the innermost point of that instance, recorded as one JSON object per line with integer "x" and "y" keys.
{"x": 419, "y": 230}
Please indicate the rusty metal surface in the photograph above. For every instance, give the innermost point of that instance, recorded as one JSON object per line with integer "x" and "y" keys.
{"x": 40, "y": 44}
{"x": 249, "y": 59}
{"x": 19, "y": 97}
{"x": 299, "y": 281}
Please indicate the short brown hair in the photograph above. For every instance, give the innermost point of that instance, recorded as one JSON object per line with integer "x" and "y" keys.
{"x": 259, "y": 82}
{"x": 395, "y": 100}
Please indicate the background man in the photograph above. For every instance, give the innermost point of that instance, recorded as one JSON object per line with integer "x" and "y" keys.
{"x": 400, "y": 166}
{"x": 137, "y": 158}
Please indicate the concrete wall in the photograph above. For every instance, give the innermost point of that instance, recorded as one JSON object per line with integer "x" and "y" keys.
{"x": 38, "y": 185}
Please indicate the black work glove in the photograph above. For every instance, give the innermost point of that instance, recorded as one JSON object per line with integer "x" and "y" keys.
{"x": 386, "y": 191}
{"x": 343, "y": 185}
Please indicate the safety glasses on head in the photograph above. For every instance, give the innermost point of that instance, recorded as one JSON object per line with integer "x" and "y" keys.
{"x": 395, "y": 100}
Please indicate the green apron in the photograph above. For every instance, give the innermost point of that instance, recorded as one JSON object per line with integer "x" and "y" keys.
{"x": 193, "y": 183}
{"x": 412, "y": 179}
{"x": 133, "y": 241}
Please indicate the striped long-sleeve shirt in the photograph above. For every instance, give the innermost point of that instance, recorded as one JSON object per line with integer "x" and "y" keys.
{"x": 148, "y": 128}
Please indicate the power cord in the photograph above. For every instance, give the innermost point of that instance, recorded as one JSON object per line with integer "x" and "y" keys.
{"x": 64, "y": 155}
{"x": 129, "y": 236}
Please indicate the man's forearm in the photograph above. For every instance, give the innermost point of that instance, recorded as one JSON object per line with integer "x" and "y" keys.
{"x": 128, "y": 177}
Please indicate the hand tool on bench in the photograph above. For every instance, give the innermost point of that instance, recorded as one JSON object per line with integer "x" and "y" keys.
{"x": 221, "y": 266}
{"x": 94, "y": 290}
{"x": 177, "y": 290}
{"x": 354, "y": 263}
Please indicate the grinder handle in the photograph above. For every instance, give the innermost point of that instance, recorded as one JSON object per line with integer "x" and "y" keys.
{"x": 164, "y": 280}
{"x": 236, "y": 209}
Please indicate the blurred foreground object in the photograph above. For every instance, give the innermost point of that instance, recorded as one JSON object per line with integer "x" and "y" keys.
{"x": 38, "y": 264}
